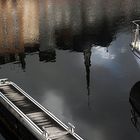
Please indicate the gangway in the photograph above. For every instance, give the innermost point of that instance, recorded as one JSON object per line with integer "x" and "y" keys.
{"x": 38, "y": 120}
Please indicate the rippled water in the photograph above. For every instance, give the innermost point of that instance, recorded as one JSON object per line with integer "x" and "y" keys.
{"x": 73, "y": 57}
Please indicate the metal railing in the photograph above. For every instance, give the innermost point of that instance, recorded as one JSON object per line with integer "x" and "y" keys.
{"x": 69, "y": 129}
{"x": 20, "y": 113}
{"x": 48, "y": 112}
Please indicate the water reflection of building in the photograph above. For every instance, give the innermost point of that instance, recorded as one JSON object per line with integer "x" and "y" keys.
{"x": 44, "y": 24}
{"x": 31, "y": 22}
{"x": 87, "y": 62}
{"x": 11, "y": 32}
{"x": 47, "y": 39}
{"x": 13, "y": 57}
{"x": 135, "y": 103}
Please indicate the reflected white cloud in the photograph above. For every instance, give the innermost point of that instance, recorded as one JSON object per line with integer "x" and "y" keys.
{"x": 103, "y": 53}
{"x": 124, "y": 50}
{"x": 55, "y": 102}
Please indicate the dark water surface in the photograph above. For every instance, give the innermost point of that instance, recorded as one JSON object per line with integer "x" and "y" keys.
{"x": 73, "y": 57}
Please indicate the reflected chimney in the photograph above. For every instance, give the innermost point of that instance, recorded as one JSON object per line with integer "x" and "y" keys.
{"x": 87, "y": 62}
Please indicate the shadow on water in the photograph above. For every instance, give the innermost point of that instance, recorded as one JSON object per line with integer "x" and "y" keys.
{"x": 134, "y": 100}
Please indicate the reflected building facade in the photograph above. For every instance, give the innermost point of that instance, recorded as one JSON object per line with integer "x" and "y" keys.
{"x": 11, "y": 32}
{"x": 44, "y": 25}
{"x": 31, "y": 22}
{"x": 46, "y": 28}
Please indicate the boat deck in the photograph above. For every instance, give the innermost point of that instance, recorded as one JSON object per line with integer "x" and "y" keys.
{"x": 41, "y": 119}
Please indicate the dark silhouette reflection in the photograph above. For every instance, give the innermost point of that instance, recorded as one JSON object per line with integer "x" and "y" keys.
{"x": 47, "y": 56}
{"x": 101, "y": 34}
{"x": 87, "y": 62}
{"x": 31, "y": 48}
{"x": 135, "y": 103}
{"x": 18, "y": 58}
{"x": 22, "y": 60}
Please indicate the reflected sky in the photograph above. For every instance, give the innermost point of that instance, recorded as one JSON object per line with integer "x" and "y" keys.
{"x": 81, "y": 69}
